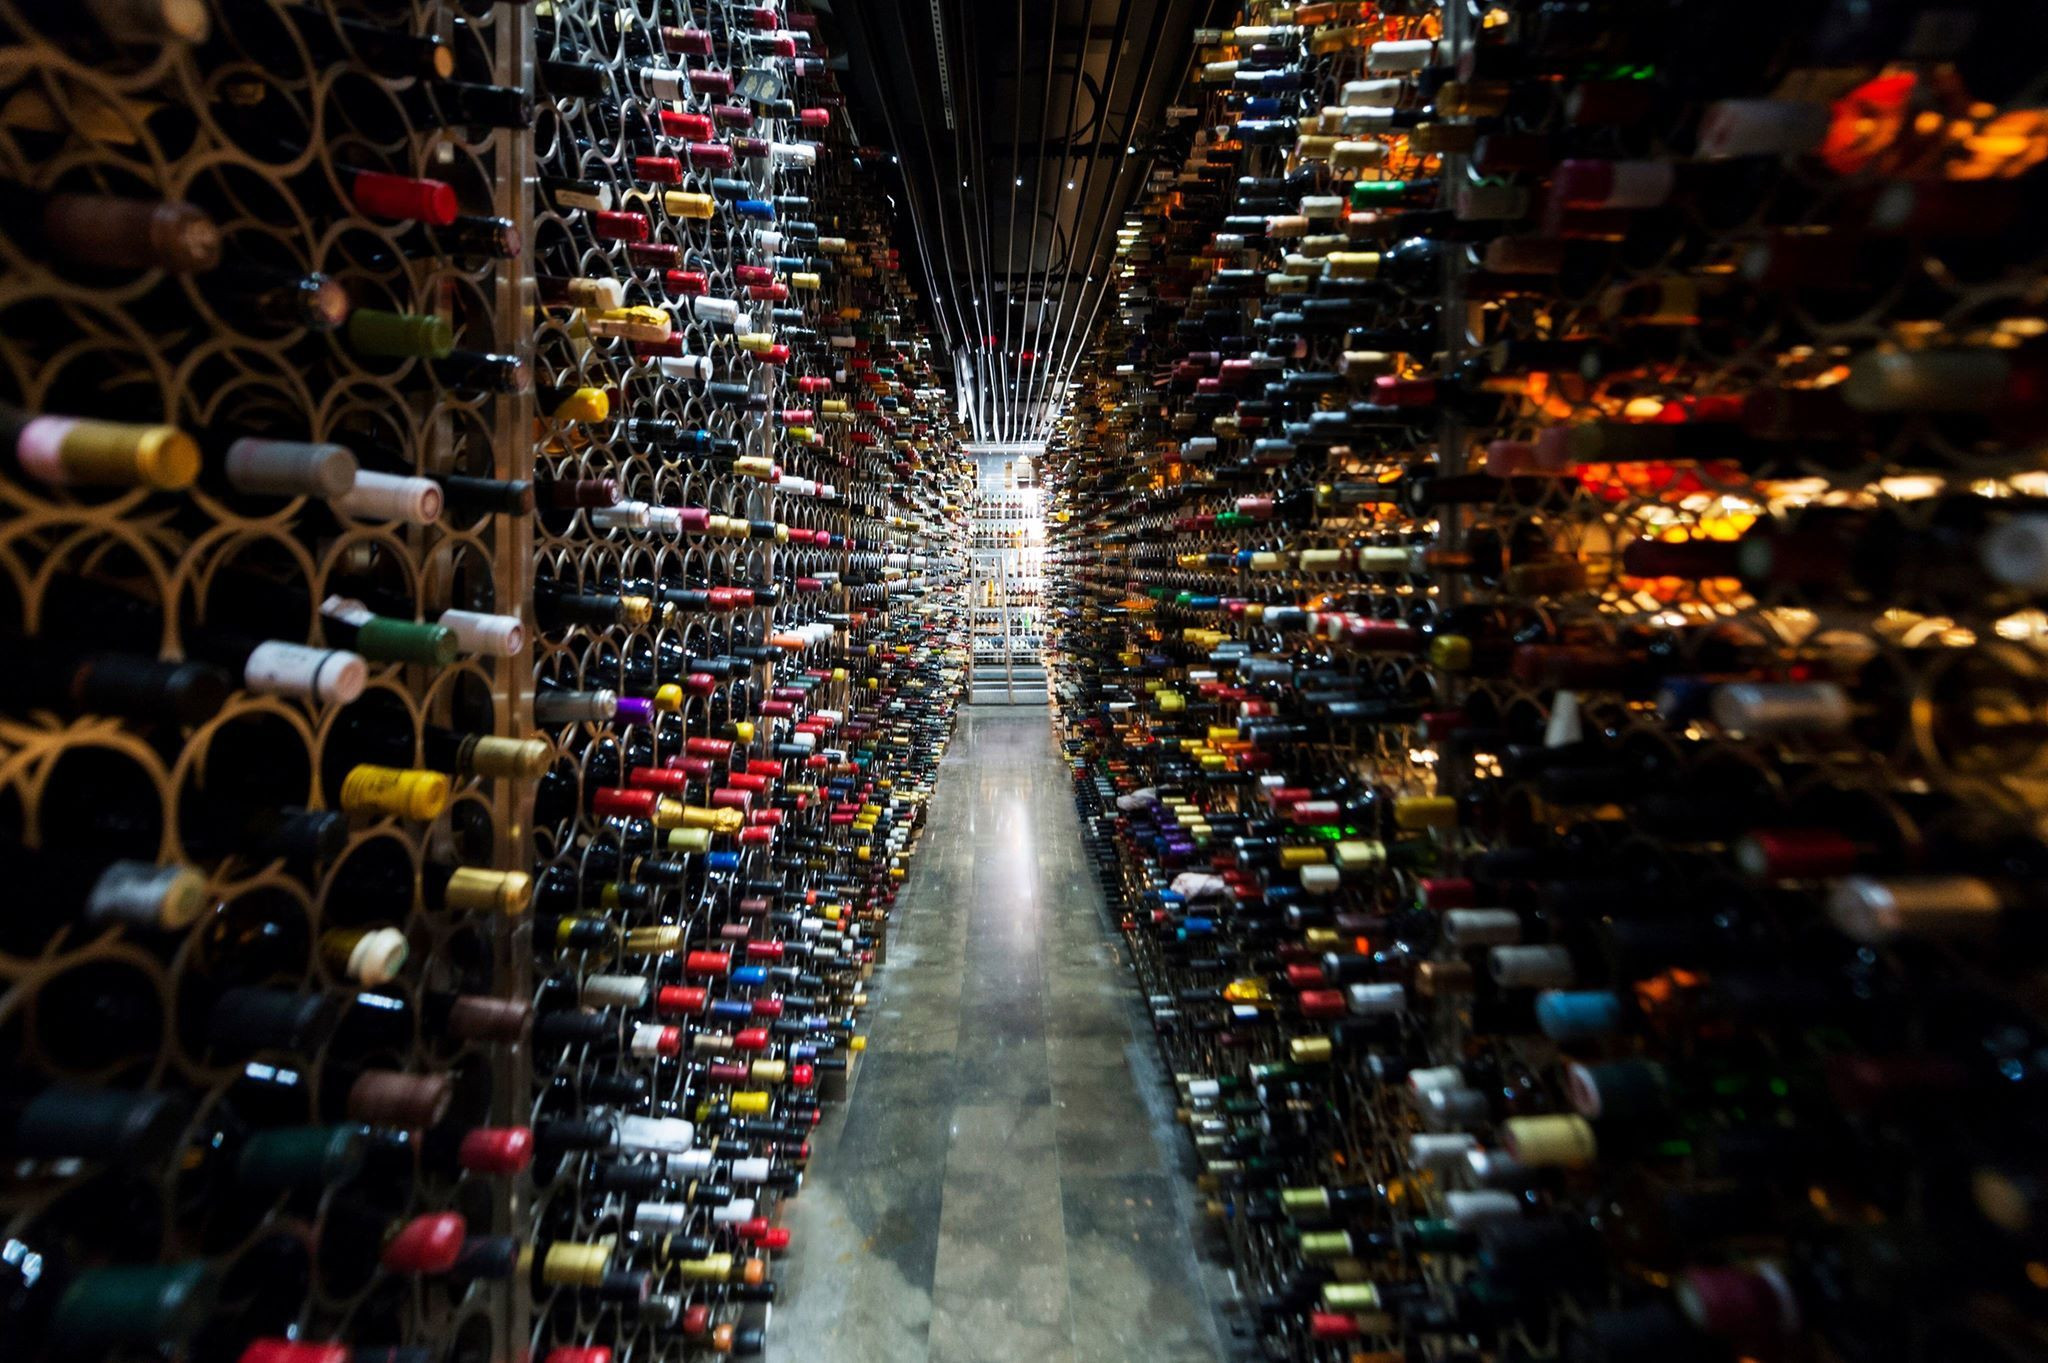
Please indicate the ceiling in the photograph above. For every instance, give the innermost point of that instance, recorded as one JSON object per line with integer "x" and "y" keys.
{"x": 1023, "y": 130}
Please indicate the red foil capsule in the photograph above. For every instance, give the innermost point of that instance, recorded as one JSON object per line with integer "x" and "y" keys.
{"x": 660, "y": 170}
{"x": 757, "y": 837}
{"x": 669, "y": 348}
{"x": 615, "y": 802}
{"x": 686, "y": 283}
{"x": 654, "y": 255}
{"x": 1322, "y": 1003}
{"x": 767, "y": 1008}
{"x": 617, "y": 226}
{"x": 708, "y": 154}
{"x": 690, "y": 42}
{"x": 658, "y": 779}
{"x": 707, "y": 963}
{"x": 379, "y": 195}
{"x": 708, "y": 747}
{"x": 496, "y": 1149}
{"x": 426, "y": 1244}
{"x": 816, "y": 118}
{"x": 714, "y": 83}
{"x": 733, "y": 115}
{"x": 676, "y": 1000}
{"x": 293, "y": 1351}
{"x": 687, "y": 127}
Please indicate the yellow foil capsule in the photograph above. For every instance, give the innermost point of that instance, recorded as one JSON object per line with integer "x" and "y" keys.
{"x": 654, "y": 941}
{"x": 70, "y": 450}
{"x": 583, "y": 404}
{"x": 712, "y": 1268}
{"x": 689, "y": 840}
{"x": 514, "y": 759}
{"x": 393, "y": 791}
{"x": 478, "y": 889}
{"x": 1563, "y": 1141}
{"x": 681, "y": 204}
{"x": 574, "y": 1265}
{"x": 1426, "y": 811}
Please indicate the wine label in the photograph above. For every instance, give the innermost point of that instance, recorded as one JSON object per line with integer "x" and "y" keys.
{"x": 491, "y": 636}
{"x": 391, "y": 497}
{"x": 318, "y": 675}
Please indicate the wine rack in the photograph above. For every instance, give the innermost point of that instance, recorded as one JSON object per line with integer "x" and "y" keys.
{"x": 394, "y": 551}
{"x": 1549, "y": 642}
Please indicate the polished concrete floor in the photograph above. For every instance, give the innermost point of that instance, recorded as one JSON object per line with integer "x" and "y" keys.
{"x": 1006, "y": 1182}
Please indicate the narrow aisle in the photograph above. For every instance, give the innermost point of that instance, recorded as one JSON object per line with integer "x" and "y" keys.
{"x": 1006, "y": 1182}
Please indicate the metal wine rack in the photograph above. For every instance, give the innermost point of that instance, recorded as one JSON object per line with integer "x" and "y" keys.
{"x": 173, "y": 121}
{"x": 1941, "y": 676}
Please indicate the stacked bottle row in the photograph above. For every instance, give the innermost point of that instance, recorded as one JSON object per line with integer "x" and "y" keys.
{"x": 259, "y": 741}
{"x": 1549, "y": 636}
{"x": 745, "y": 659}
{"x": 465, "y": 720}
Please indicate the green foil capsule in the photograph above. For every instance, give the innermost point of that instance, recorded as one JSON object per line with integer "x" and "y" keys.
{"x": 300, "y": 1157}
{"x": 388, "y": 640}
{"x": 155, "y": 1305}
{"x": 399, "y": 335}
